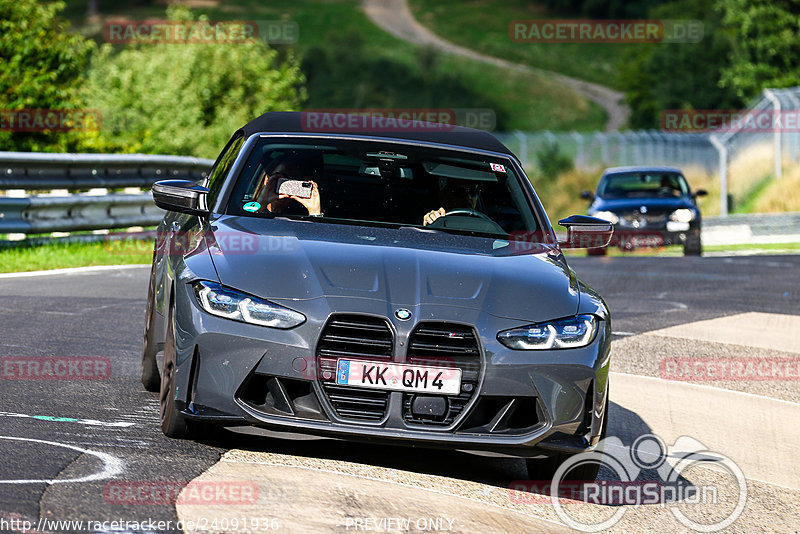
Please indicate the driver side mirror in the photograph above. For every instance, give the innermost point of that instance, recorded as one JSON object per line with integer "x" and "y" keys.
{"x": 182, "y": 196}
{"x": 586, "y": 232}
{"x": 587, "y": 195}
{"x": 700, "y": 193}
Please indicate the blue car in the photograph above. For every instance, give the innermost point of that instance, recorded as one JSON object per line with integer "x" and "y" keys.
{"x": 649, "y": 206}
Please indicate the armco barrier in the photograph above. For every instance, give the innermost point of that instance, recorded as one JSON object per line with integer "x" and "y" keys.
{"x": 24, "y": 173}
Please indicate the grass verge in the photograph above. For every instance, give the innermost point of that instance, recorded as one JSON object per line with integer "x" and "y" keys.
{"x": 25, "y": 258}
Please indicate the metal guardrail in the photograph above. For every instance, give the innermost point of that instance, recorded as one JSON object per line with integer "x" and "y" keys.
{"x": 34, "y": 171}
{"x": 752, "y": 228}
{"x": 74, "y": 172}
{"x": 37, "y": 215}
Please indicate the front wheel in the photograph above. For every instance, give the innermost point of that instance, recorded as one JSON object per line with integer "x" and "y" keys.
{"x": 173, "y": 424}
{"x": 693, "y": 245}
{"x": 150, "y": 377}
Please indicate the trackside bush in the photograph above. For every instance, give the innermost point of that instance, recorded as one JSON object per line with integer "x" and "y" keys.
{"x": 186, "y": 98}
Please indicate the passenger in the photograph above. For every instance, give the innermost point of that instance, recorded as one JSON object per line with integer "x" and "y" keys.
{"x": 295, "y": 168}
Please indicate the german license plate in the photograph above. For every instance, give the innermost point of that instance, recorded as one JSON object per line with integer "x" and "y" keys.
{"x": 398, "y": 377}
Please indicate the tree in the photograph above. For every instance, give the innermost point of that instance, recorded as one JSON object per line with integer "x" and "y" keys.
{"x": 186, "y": 98}
{"x": 41, "y": 67}
{"x": 665, "y": 76}
{"x": 767, "y": 49}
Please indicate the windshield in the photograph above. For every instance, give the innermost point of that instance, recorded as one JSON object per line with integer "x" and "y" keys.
{"x": 643, "y": 184}
{"x": 382, "y": 183}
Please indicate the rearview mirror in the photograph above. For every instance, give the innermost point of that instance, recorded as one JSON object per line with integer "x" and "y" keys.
{"x": 588, "y": 195}
{"x": 586, "y": 232}
{"x": 700, "y": 193}
{"x": 182, "y": 196}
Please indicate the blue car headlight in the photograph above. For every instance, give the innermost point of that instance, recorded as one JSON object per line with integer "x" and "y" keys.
{"x": 567, "y": 333}
{"x": 231, "y": 304}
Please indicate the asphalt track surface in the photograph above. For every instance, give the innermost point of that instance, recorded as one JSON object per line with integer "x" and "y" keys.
{"x": 47, "y": 426}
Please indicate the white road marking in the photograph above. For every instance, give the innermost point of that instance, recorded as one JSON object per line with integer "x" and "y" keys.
{"x": 73, "y": 270}
{"x": 54, "y": 419}
{"x": 706, "y": 387}
{"x": 112, "y": 465}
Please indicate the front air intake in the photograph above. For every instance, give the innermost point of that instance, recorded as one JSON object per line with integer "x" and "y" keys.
{"x": 439, "y": 344}
{"x": 356, "y": 337}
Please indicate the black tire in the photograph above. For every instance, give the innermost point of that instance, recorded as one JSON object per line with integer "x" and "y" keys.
{"x": 693, "y": 246}
{"x": 544, "y": 468}
{"x": 151, "y": 380}
{"x": 173, "y": 424}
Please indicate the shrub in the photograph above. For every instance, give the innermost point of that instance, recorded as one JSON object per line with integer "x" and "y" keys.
{"x": 186, "y": 98}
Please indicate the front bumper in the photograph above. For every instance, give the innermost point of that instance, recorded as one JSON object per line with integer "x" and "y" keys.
{"x": 237, "y": 374}
{"x": 629, "y": 238}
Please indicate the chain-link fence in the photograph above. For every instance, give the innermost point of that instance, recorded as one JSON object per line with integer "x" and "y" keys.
{"x": 745, "y": 147}
{"x": 591, "y": 151}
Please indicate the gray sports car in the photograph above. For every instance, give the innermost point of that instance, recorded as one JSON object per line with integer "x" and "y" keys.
{"x": 400, "y": 286}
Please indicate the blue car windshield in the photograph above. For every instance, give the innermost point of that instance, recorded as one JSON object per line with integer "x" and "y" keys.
{"x": 382, "y": 183}
{"x": 643, "y": 184}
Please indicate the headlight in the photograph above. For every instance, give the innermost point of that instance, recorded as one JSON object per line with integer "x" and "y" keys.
{"x": 607, "y": 216}
{"x": 568, "y": 333}
{"x": 231, "y": 304}
{"x": 682, "y": 215}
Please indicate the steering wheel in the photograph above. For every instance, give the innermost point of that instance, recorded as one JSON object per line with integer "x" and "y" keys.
{"x": 464, "y": 211}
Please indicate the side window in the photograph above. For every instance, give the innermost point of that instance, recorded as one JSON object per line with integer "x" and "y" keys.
{"x": 217, "y": 177}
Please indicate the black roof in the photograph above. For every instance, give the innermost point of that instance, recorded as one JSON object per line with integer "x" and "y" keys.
{"x": 301, "y": 122}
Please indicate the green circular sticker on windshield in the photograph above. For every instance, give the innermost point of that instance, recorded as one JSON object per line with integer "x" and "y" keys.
{"x": 251, "y": 206}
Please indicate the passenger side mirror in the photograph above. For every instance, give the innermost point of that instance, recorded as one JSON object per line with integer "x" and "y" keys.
{"x": 700, "y": 193}
{"x": 182, "y": 196}
{"x": 587, "y": 195}
{"x": 586, "y": 232}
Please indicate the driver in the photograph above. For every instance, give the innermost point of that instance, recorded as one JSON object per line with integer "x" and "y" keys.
{"x": 296, "y": 168}
{"x": 454, "y": 195}
{"x": 670, "y": 186}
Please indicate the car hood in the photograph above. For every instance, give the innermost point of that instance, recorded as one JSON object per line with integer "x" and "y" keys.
{"x": 281, "y": 259}
{"x": 633, "y": 204}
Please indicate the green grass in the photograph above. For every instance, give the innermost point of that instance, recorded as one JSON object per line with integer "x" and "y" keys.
{"x": 483, "y": 25}
{"x": 350, "y": 63}
{"x": 677, "y": 250}
{"x": 62, "y": 255}
{"x": 135, "y": 252}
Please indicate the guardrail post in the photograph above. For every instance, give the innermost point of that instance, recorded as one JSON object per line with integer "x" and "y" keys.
{"x": 776, "y": 106}
{"x": 722, "y": 150}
